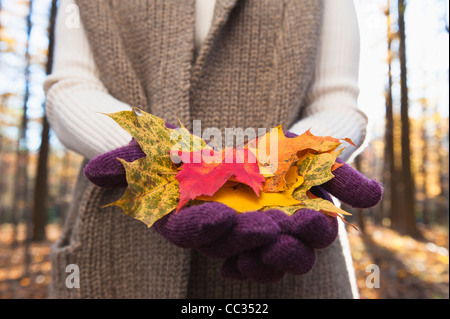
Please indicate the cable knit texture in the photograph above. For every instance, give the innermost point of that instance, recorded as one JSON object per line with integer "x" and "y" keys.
{"x": 253, "y": 70}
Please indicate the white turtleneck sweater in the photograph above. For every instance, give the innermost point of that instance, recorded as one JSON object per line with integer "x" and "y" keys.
{"x": 76, "y": 96}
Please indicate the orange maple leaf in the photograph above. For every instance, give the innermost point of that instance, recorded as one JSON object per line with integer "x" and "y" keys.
{"x": 289, "y": 151}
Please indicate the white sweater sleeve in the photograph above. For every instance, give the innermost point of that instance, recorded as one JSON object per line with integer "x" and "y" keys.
{"x": 331, "y": 102}
{"x": 76, "y": 96}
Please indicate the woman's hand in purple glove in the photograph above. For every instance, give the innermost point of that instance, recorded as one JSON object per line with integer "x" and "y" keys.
{"x": 348, "y": 185}
{"x": 213, "y": 228}
{"x": 216, "y": 229}
{"x": 262, "y": 246}
{"x": 106, "y": 171}
{"x": 293, "y": 251}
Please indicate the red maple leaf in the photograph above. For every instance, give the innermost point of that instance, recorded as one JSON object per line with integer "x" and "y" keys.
{"x": 206, "y": 177}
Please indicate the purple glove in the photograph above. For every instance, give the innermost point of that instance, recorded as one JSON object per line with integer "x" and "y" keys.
{"x": 293, "y": 251}
{"x": 262, "y": 246}
{"x": 106, "y": 171}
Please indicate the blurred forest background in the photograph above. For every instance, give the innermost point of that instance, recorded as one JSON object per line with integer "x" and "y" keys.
{"x": 404, "y": 91}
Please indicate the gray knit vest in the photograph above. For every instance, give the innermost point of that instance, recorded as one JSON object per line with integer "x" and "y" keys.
{"x": 253, "y": 70}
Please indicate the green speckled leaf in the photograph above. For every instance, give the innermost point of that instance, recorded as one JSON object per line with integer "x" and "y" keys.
{"x": 323, "y": 205}
{"x": 186, "y": 141}
{"x": 288, "y": 210}
{"x": 152, "y": 190}
{"x": 150, "y": 195}
{"x": 316, "y": 169}
{"x": 148, "y": 130}
{"x": 318, "y": 204}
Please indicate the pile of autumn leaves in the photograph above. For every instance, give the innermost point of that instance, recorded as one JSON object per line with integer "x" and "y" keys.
{"x": 240, "y": 177}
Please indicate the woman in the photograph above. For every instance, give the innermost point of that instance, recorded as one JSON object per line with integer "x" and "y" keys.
{"x": 228, "y": 63}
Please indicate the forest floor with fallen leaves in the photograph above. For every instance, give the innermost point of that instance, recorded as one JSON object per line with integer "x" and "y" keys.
{"x": 408, "y": 268}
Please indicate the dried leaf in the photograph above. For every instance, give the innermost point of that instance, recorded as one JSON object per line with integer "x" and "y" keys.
{"x": 322, "y": 205}
{"x": 241, "y": 197}
{"x": 149, "y": 131}
{"x": 288, "y": 151}
{"x": 233, "y": 176}
{"x": 336, "y": 165}
{"x": 312, "y": 168}
{"x": 152, "y": 190}
{"x": 149, "y": 195}
{"x": 187, "y": 142}
{"x": 316, "y": 169}
{"x": 348, "y": 140}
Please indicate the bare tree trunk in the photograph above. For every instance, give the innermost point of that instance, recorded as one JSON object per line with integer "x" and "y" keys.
{"x": 2, "y": 165}
{"x": 424, "y": 171}
{"x": 3, "y": 168}
{"x": 20, "y": 209}
{"x": 444, "y": 180}
{"x": 27, "y": 213}
{"x": 390, "y": 171}
{"x": 39, "y": 214}
{"x": 440, "y": 205}
{"x": 408, "y": 222}
{"x": 2, "y": 183}
{"x": 20, "y": 198}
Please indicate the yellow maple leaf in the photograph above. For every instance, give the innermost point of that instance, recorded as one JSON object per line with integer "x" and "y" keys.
{"x": 241, "y": 197}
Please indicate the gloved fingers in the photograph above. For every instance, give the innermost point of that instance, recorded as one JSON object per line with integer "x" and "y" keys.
{"x": 290, "y": 134}
{"x": 353, "y": 188}
{"x": 107, "y": 172}
{"x": 196, "y": 225}
{"x": 282, "y": 219}
{"x": 321, "y": 193}
{"x": 290, "y": 255}
{"x": 251, "y": 230}
{"x": 230, "y": 269}
{"x": 314, "y": 228}
{"x": 250, "y": 265}
{"x": 171, "y": 126}
{"x": 270, "y": 264}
